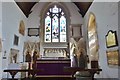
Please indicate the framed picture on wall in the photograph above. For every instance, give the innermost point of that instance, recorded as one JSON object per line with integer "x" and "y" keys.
{"x": 16, "y": 40}
{"x": 76, "y": 30}
{"x": 111, "y": 39}
{"x": 33, "y": 32}
{"x": 113, "y": 57}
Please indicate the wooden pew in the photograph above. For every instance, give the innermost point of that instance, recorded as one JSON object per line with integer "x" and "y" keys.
{"x": 13, "y": 72}
{"x": 73, "y": 70}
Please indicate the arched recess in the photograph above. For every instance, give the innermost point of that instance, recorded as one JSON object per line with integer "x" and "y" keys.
{"x": 93, "y": 40}
{"x": 22, "y": 28}
{"x": 43, "y": 12}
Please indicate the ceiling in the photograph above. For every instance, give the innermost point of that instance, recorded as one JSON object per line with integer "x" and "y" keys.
{"x": 83, "y": 7}
{"x": 27, "y": 6}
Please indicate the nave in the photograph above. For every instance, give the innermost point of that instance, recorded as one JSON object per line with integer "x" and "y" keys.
{"x": 70, "y": 40}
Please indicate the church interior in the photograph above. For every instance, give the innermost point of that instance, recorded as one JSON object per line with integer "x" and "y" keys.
{"x": 59, "y": 40}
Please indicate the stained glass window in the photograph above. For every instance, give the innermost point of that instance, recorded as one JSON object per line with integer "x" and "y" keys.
{"x": 48, "y": 29}
{"x": 55, "y": 29}
{"x": 62, "y": 29}
{"x": 55, "y": 25}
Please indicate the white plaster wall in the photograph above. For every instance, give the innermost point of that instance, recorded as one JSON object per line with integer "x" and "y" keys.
{"x": 76, "y": 17}
{"x": 119, "y": 33}
{"x": 34, "y": 17}
{"x": 11, "y": 17}
{"x": 0, "y": 37}
{"x": 107, "y": 19}
{"x": 34, "y": 20}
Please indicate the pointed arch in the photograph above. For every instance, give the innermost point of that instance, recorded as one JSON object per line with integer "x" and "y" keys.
{"x": 93, "y": 38}
{"x": 65, "y": 17}
{"x": 44, "y": 17}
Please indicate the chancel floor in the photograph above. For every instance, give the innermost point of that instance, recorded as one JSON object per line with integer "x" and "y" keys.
{"x": 45, "y": 78}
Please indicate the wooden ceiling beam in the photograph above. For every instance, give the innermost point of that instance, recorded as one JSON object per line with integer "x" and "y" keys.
{"x": 83, "y": 7}
{"x": 27, "y": 6}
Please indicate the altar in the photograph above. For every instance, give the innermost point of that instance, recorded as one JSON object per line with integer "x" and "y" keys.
{"x": 53, "y": 67}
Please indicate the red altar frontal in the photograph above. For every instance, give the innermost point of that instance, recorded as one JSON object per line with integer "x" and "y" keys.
{"x": 53, "y": 67}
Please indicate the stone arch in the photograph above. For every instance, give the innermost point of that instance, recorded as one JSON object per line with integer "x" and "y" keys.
{"x": 42, "y": 17}
{"x": 45, "y": 9}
